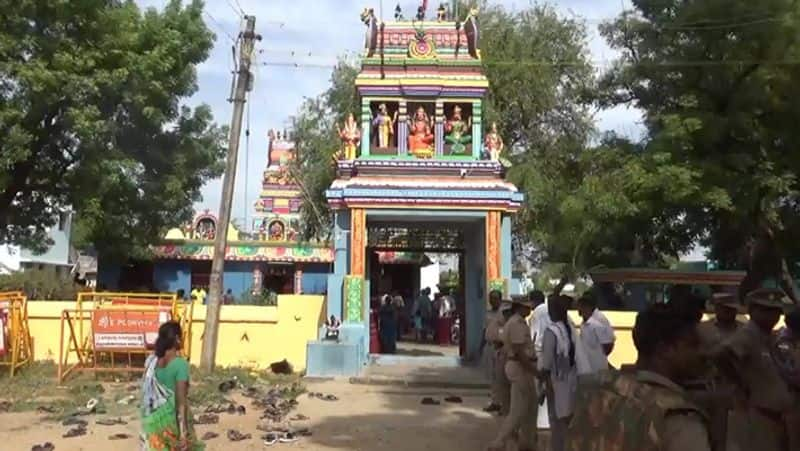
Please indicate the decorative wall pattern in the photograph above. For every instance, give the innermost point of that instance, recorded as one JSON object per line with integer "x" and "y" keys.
{"x": 354, "y": 299}
{"x": 358, "y": 239}
{"x": 244, "y": 252}
{"x": 493, "y": 245}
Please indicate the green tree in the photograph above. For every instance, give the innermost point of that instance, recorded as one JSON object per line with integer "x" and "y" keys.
{"x": 716, "y": 80}
{"x": 91, "y": 119}
{"x": 317, "y": 143}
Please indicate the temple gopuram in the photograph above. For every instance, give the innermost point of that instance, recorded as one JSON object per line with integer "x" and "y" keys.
{"x": 271, "y": 259}
{"x": 419, "y": 171}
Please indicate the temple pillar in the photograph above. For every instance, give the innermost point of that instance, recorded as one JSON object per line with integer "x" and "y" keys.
{"x": 298, "y": 280}
{"x": 354, "y": 282}
{"x": 477, "y": 138}
{"x": 366, "y": 126}
{"x": 402, "y": 128}
{"x": 506, "y": 255}
{"x": 438, "y": 129}
{"x": 494, "y": 279}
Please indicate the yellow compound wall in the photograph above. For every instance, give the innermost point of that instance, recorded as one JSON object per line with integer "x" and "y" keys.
{"x": 252, "y": 336}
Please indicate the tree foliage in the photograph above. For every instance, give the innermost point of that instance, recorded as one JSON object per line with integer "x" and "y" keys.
{"x": 717, "y": 81}
{"x": 316, "y": 141}
{"x": 91, "y": 119}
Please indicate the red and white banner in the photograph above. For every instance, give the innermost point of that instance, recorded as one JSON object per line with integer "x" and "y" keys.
{"x": 122, "y": 329}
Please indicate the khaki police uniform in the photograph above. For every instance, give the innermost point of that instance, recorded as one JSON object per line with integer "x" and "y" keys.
{"x": 523, "y": 410}
{"x": 491, "y": 337}
{"x": 501, "y": 386}
{"x": 723, "y": 422}
{"x": 767, "y": 396}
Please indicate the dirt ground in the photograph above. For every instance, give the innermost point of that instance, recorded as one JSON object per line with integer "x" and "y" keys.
{"x": 365, "y": 418}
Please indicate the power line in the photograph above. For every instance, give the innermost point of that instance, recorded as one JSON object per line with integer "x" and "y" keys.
{"x": 236, "y": 9}
{"x": 219, "y": 26}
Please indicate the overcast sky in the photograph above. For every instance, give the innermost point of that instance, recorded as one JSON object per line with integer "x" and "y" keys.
{"x": 311, "y": 34}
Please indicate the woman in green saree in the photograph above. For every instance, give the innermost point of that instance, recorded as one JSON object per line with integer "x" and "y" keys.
{"x": 165, "y": 408}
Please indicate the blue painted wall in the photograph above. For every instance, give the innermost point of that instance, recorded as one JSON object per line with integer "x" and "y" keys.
{"x": 171, "y": 275}
{"x": 315, "y": 278}
{"x": 238, "y": 278}
{"x": 108, "y": 275}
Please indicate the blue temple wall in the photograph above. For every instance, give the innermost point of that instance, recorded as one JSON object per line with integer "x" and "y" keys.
{"x": 171, "y": 275}
{"x": 315, "y": 278}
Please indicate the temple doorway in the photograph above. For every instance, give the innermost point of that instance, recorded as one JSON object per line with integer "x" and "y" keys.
{"x": 403, "y": 261}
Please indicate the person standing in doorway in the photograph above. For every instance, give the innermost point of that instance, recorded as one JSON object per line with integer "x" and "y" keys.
{"x": 597, "y": 335}
{"x": 423, "y": 311}
{"x": 387, "y": 325}
{"x": 491, "y": 343}
{"x": 521, "y": 372}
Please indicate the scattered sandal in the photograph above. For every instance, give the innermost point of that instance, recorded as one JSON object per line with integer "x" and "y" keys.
{"x": 207, "y": 418}
{"x": 120, "y": 436}
{"x": 209, "y": 435}
{"x": 75, "y": 432}
{"x": 74, "y": 421}
{"x": 288, "y": 438}
{"x": 270, "y": 438}
{"x": 5, "y": 406}
{"x": 227, "y": 386}
{"x": 454, "y": 399}
{"x": 241, "y": 410}
{"x": 299, "y": 417}
{"x": 47, "y": 446}
{"x": 46, "y": 409}
{"x": 236, "y": 436}
{"x": 430, "y": 402}
{"x": 111, "y": 421}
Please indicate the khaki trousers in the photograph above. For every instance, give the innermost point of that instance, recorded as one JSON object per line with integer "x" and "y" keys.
{"x": 522, "y": 415}
{"x": 501, "y": 386}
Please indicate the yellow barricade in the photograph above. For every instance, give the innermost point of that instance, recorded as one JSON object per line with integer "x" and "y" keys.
{"x": 114, "y": 332}
{"x": 16, "y": 346}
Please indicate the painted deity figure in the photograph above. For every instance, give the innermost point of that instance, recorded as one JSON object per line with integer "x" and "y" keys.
{"x": 351, "y": 137}
{"x": 420, "y": 138}
{"x": 276, "y": 231}
{"x": 493, "y": 143}
{"x": 384, "y": 125}
{"x": 458, "y": 132}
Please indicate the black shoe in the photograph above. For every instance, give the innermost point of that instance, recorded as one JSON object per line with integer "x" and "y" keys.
{"x": 492, "y": 408}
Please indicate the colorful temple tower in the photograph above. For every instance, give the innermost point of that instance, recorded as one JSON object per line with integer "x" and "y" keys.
{"x": 419, "y": 171}
{"x": 270, "y": 259}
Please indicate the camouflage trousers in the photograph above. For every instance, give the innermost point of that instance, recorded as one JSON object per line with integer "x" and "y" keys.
{"x": 522, "y": 415}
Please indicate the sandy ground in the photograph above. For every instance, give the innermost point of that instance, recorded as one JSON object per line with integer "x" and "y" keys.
{"x": 365, "y": 418}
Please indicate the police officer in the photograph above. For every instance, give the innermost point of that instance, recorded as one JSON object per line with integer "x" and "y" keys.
{"x": 747, "y": 359}
{"x": 520, "y": 369}
{"x": 492, "y": 341}
{"x": 502, "y": 386}
{"x": 714, "y": 331}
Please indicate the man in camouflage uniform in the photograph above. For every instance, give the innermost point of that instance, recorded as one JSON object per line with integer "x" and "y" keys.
{"x": 645, "y": 409}
{"x": 521, "y": 372}
{"x": 747, "y": 358}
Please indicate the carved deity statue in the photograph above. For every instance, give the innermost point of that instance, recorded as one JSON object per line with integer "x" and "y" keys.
{"x": 458, "y": 132}
{"x": 493, "y": 143}
{"x": 384, "y": 126}
{"x": 351, "y": 137}
{"x": 420, "y": 138}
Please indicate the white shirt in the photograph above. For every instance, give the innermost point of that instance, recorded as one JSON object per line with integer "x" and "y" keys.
{"x": 540, "y": 321}
{"x": 595, "y": 333}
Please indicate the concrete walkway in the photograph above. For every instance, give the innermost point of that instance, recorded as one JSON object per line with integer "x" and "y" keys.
{"x": 430, "y": 372}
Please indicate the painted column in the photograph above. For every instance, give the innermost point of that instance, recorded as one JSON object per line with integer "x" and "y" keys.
{"x": 298, "y": 280}
{"x": 341, "y": 262}
{"x": 477, "y": 138}
{"x": 506, "y": 255}
{"x": 354, "y": 282}
{"x": 402, "y": 129}
{"x": 438, "y": 129}
{"x": 366, "y": 126}
{"x": 493, "y": 254}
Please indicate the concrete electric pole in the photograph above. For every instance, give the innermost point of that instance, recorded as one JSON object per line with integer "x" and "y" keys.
{"x": 244, "y": 79}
